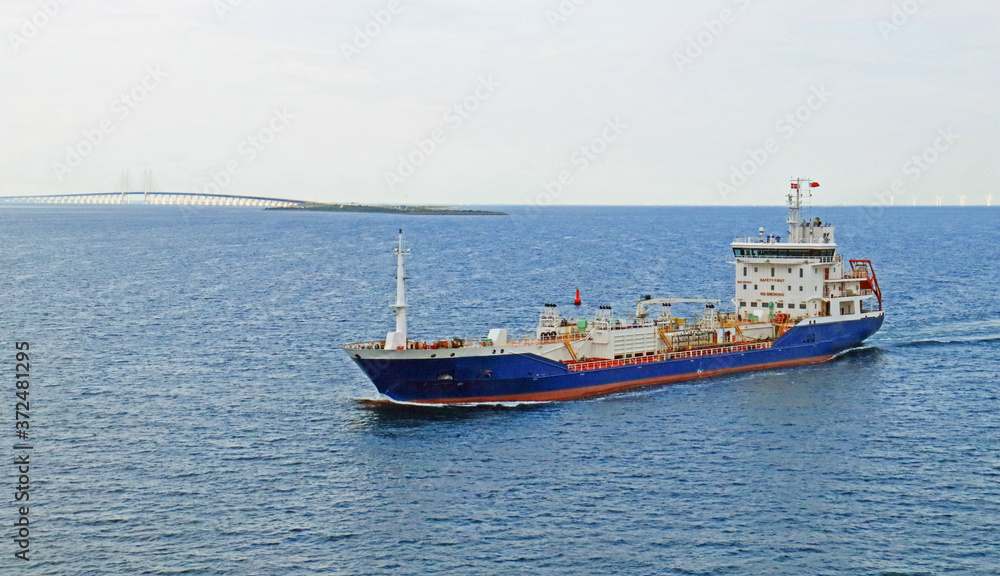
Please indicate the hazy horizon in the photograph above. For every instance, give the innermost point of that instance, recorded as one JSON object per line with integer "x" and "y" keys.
{"x": 569, "y": 102}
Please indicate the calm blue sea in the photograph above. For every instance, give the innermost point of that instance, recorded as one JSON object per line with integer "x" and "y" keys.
{"x": 192, "y": 412}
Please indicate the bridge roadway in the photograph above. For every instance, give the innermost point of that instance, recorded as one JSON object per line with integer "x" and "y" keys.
{"x": 157, "y": 198}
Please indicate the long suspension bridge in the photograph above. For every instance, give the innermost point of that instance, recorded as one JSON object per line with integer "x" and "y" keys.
{"x": 148, "y": 196}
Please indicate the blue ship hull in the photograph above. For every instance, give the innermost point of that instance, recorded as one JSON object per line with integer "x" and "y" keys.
{"x": 529, "y": 377}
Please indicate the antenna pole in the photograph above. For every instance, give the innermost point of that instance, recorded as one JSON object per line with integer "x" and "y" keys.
{"x": 400, "y": 305}
{"x": 794, "y": 210}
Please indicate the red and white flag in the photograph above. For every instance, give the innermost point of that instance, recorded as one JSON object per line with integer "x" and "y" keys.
{"x": 814, "y": 184}
{"x": 795, "y": 185}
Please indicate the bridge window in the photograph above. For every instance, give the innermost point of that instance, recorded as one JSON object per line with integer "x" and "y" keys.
{"x": 781, "y": 252}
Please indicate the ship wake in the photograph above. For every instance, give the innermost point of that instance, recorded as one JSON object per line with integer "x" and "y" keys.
{"x": 949, "y": 334}
{"x": 949, "y": 341}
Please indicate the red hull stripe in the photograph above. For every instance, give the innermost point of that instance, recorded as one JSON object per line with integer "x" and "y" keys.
{"x": 603, "y": 389}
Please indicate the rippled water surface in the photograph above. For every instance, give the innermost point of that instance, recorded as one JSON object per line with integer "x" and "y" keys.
{"x": 192, "y": 411}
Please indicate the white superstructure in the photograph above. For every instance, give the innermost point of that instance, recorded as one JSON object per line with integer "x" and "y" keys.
{"x": 802, "y": 275}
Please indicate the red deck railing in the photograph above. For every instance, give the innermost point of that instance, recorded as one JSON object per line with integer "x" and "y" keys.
{"x": 695, "y": 353}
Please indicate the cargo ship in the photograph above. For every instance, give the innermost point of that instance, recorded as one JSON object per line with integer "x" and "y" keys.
{"x": 796, "y": 302}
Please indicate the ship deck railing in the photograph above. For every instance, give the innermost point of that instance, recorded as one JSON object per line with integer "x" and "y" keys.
{"x": 679, "y": 355}
{"x": 861, "y": 273}
{"x": 847, "y": 293}
{"x": 469, "y": 343}
{"x": 374, "y": 345}
{"x": 562, "y": 339}
{"x": 756, "y": 240}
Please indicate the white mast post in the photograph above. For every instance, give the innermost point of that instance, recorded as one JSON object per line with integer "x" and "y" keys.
{"x": 794, "y": 212}
{"x": 397, "y": 340}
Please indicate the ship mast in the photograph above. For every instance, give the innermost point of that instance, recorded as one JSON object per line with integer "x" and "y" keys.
{"x": 397, "y": 339}
{"x": 795, "y": 207}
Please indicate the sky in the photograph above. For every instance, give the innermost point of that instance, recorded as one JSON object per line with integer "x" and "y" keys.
{"x": 525, "y": 102}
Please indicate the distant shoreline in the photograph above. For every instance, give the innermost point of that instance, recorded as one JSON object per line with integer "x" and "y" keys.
{"x": 411, "y": 210}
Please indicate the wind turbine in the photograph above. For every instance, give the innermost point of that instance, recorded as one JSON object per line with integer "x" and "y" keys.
{"x": 989, "y": 199}
{"x": 937, "y": 200}
{"x": 914, "y": 197}
{"x": 961, "y": 200}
